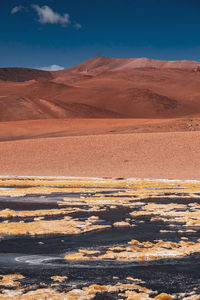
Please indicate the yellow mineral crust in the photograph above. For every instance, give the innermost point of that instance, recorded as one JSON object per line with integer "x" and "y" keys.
{"x": 86, "y": 293}
{"x": 91, "y": 291}
{"x": 40, "y": 294}
{"x": 90, "y": 252}
{"x": 170, "y": 213}
{"x": 131, "y": 295}
{"x": 76, "y": 256}
{"x": 141, "y": 189}
{"x": 142, "y": 251}
{"x": 127, "y": 291}
{"x": 10, "y": 280}
{"x": 133, "y": 193}
{"x": 64, "y": 226}
{"x": 121, "y": 224}
{"x": 8, "y": 213}
{"x": 59, "y": 278}
{"x": 163, "y": 296}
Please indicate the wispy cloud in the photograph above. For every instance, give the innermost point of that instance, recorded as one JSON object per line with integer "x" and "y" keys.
{"x": 16, "y": 9}
{"x": 52, "y": 68}
{"x": 77, "y": 25}
{"x": 47, "y": 15}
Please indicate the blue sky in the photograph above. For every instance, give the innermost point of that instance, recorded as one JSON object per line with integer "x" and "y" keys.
{"x": 36, "y": 33}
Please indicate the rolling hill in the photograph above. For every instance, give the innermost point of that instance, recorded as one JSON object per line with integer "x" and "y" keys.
{"x": 102, "y": 88}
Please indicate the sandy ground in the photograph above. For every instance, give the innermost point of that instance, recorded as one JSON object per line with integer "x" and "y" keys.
{"x": 173, "y": 155}
{"x": 34, "y": 129}
{"x": 67, "y": 127}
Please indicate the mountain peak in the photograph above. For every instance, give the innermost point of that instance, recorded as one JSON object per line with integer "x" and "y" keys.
{"x": 98, "y": 64}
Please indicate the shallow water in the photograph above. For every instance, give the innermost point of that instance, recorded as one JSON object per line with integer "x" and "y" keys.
{"x": 38, "y": 257}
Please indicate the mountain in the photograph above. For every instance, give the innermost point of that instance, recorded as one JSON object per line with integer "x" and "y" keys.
{"x": 95, "y": 65}
{"x": 100, "y": 64}
{"x": 102, "y": 88}
{"x": 23, "y": 74}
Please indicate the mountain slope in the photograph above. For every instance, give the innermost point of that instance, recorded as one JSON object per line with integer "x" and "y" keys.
{"x": 103, "y": 88}
{"x": 23, "y": 74}
{"x": 100, "y": 64}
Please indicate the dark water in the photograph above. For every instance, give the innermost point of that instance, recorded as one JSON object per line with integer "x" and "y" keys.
{"x": 40, "y": 257}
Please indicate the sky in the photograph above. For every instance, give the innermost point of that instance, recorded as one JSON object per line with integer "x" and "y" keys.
{"x": 56, "y": 34}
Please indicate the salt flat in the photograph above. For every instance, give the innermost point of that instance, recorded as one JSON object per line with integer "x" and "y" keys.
{"x": 65, "y": 238}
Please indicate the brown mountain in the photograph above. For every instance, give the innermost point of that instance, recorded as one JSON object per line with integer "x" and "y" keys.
{"x": 102, "y": 88}
{"x": 100, "y": 64}
{"x": 23, "y": 74}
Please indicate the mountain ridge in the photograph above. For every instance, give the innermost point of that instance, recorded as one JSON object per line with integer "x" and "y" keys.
{"x": 103, "y": 88}
{"x": 95, "y": 66}
{"x": 100, "y": 64}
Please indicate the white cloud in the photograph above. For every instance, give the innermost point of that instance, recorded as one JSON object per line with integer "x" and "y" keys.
{"x": 52, "y": 68}
{"x": 77, "y": 25}
{"x": 47, "y": 15}
{"x": 16, "y": 9}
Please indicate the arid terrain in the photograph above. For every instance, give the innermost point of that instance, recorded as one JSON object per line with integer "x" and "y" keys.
{"x": 105, "y": 88}
{"x": 105, "y": 117}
